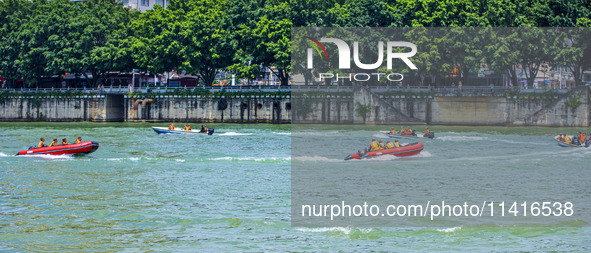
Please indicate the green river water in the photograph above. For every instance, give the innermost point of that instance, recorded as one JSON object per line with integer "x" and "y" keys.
{"x": 141, "y": 191}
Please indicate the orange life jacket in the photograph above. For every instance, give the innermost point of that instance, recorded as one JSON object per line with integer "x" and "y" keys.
{"x": 41, "y": 144}
{"x": 397, "y": 144}
{"x": 78, "y": 141}
{"x": 53, "y": 143}
{"x": 64, "y": 142}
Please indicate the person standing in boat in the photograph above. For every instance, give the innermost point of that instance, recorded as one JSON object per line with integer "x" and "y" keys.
{"x": 42, "y": 143}
{"x": 53, "y": 143}
{"x": 64, "y": 141}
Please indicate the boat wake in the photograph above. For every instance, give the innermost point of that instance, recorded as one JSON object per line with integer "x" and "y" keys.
{"x": 282, "y": 133}
{"x": 449, "y": 230}
{"x": 3, "y": 155}
{"x": 461, "y": 138}
{"x": 344, "y": 230}
{"x": 234, "y": 134}
{"x": 316, "y": 159}
{"x": 50, "y": 157}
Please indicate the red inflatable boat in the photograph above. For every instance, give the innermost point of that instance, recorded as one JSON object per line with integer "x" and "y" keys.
{"x": 408, "y": 150}
{"x": 79, "y": 148}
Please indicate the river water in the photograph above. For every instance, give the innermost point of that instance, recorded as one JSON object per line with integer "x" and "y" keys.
{"x": 232, "y": 191}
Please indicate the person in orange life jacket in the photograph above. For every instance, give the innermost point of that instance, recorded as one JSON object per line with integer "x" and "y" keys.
{"x": 392, "y": 131}
{"x": 396, "y": 144}
{"x": 53, "y": 143}
{"x": 205, "y": 127}
{"x": 408, "y": 131}
{"x": 402, "y": 130}
{"x": 64, "y": 141}
{"x": 189, "y": 128}
{"x": 567, "y": 139}
{"x": 79, "y": 139}
{"x": 171, "y": 126}
{"x": 582, "y": 137}
{"x": 560, "y": 138}
{"x": 427, "y": 131}
{"x": 42, "y": 143}
{"x": 381, "y": 144}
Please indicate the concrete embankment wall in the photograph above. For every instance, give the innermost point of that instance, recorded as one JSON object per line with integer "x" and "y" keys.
{"x": 228, "y": 110}
{"x": 409, "y": 109}
{"x": 119, "y": 108}
{"x": 450, "y": 110}
{"x": 53, "y": 109}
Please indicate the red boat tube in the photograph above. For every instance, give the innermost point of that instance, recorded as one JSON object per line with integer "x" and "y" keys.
{"x": 408, "y": 150}
{"x": 78, "y": 148}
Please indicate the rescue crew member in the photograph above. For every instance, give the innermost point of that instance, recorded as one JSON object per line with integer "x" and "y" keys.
{"x": 392, "y": 131}
{"x": 171, "y": 126}
{"x": 79, "y": 139}
{"x": 567, "y": 139}
{"x": 41, "y": 143}
{"x": 408, "y": 131}
{"x": 205, "y": 127}
{"x": 427, "y": 131}
{"x": 202, "y": 129}
{"x": 560, "y": 138}
{"x": 582, "y": 137}
{"x": 402, "y": 130}
{"x": 374, "y": 145}
{"x": 389, "y": 144}
{"x": 381, "y": 144}
{"x": 53, "y": 143}
{"x": 396, "y": 144}
{"x": 189, "y": 128}
{"x": 64, "y": 142}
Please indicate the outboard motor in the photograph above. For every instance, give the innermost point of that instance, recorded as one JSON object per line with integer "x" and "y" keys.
{"x": 349, "y": 157}
{"x": 210, "y": 131}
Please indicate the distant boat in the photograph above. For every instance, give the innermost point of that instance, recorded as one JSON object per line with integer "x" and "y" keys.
{"x": 165, "y": 130}
{"x": 570, "y": 145}
{"x": 413, "y": 135}
{"x": 86, "y": 147}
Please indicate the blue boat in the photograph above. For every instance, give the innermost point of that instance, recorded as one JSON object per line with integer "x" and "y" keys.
{"x": 165, "y": 130}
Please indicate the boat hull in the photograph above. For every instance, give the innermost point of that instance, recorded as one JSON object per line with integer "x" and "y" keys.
{"x": 165, "y": 130}
{"x": 408, "y": 150}
{"x": 86, "y": 147}
{"x": 570, "y": 145}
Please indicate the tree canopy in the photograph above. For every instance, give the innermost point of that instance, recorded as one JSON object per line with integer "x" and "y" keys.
{"x": 201, "y": 37}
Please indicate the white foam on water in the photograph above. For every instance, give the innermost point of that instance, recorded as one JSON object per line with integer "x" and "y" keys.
{"x": 449, "y": 230}
{"x": 50, "y": 157}
{"x": 134, "y": 158}
{"x": 234, "y": 134}
{"x": 283, "y": 133}
{"x": 316, "y": 159}
{"x": 344, "y": 230}
{"x": 424, "y": 154}
{"x": 3, "y": 155}
{"x": 180, "y": 160}
{"x": 462, "y": 138}
{"x": 256, "y": 159}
